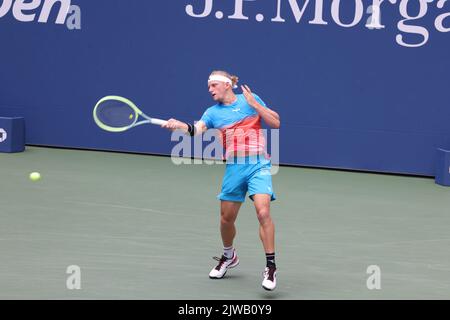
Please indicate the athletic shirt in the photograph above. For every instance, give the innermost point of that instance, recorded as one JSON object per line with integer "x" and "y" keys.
{"x": 239, "y": 125}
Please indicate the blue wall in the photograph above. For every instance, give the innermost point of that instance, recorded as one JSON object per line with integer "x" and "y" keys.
{"x": 348, "y": 97}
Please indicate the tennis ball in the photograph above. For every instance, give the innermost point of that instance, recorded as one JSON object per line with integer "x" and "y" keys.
{"x": 35, "y": 176}
{"x": 131, "y": 116}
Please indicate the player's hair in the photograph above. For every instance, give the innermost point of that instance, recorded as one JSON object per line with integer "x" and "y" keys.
{"x": 234, "y": 79}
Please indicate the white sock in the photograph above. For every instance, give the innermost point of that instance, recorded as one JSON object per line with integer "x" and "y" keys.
{"x": 228, "y": 252}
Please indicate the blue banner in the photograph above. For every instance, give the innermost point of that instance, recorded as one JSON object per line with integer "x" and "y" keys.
{"x": 358, "y": 84}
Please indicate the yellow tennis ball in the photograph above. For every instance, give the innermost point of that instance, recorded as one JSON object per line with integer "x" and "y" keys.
{"x": 131, "y": 116}
{"x": 35, "y": 176}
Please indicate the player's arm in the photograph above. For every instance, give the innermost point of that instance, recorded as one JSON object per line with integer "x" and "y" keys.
{"x": 200, "y": 127}
{"x": 269, "y": 116}
{"x": 174, "y": 124}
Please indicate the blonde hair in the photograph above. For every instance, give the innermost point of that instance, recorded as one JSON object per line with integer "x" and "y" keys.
{"x": 234, "y": 79}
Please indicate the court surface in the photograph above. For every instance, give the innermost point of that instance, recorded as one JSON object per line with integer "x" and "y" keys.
{"x": 140, "y": 227}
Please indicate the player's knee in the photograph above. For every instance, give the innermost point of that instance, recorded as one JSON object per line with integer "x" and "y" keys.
{"x": 263, "y": 215}
{"x": 226, "y": 218}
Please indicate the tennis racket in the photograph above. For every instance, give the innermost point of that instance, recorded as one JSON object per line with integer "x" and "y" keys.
{"x": 118, "y": 114}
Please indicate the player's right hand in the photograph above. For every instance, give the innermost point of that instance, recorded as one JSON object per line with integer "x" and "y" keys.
{"x": 174, "y": 124}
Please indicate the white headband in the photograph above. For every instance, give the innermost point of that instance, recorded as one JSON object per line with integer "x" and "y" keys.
{"x": 218, "y": 77}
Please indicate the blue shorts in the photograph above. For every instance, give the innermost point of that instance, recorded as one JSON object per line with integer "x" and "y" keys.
{"x": 252, "y": 174}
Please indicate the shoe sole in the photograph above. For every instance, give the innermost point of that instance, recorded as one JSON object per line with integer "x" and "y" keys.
{"x": 267, "y": 289}
{"x": 229, "y": 267}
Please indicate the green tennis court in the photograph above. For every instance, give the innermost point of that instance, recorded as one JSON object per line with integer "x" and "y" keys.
{"x": 140, "y": 227}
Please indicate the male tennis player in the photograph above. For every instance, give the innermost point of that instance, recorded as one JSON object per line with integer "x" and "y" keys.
{"x": 238, "y": 117}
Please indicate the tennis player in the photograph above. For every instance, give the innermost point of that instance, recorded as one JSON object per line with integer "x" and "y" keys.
{"x": 238, "y": 118}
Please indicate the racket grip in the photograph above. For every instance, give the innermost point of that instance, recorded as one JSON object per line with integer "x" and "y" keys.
{"x": 158, "y": 122}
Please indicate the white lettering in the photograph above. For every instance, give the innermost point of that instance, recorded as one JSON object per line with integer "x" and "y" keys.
{"x": 74, "y": 20}
{"x": 298, "y": 14}
{"x": 189, "y": 310}
{"x": 238, "y": 10}
{"x": 22, "y": 11}
{"x": 198, "y": 147}
{"x": 374, "y": 21}
{"x": 213, "y": 150}
{"x": 20, "y": 6}
{"x": 359, "y": 10}
{"x": 439, "y": 23}
{"x": 181, "y": 149}
{"x": 409, "y": 28}
{"x": 63, "y": 11}
{"x": 206, "y": 12}
{"x": 274, "y": 150}
{"x": 5, "y": 7}
{"x": 74, "y": 280}
{"x": 374, "y": 281}
{"x": 318, "y": 17}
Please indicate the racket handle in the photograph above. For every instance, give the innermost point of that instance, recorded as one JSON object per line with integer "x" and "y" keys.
{"x": 158, "y": 122}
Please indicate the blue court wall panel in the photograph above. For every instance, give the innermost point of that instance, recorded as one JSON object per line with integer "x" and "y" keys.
{"x": 348, "y": 97}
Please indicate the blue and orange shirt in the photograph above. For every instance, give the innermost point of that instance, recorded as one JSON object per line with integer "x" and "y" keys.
{"x": 239, "y": 125}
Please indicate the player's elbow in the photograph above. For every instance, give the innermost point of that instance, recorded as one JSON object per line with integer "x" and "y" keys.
{"x": 276, "y": 124}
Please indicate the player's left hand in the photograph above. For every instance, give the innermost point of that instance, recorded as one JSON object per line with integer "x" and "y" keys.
{"x": 249, "y": 96}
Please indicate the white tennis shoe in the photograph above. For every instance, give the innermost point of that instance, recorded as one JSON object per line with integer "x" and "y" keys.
{"x": 218, "y": 272}
{"x": 270, "y": 278}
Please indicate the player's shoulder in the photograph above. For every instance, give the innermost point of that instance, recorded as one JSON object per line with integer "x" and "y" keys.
{"x": 210, "y": 112}
{"x": 211, "y": 109}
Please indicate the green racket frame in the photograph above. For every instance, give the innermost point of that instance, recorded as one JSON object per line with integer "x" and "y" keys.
{"x": 137, "y": 112}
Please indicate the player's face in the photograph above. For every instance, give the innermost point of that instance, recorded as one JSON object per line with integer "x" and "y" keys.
{"x": 217, "y": 90}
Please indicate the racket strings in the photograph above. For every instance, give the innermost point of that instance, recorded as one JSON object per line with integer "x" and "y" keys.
{"x": 116, "y": 114}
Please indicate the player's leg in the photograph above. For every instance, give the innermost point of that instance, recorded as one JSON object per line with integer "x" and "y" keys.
{"x": 261, "y": 192}
{"x": 267, "y": 235}
{"x": 232, "y": 195}
{"x": 266, "y": 225}
{"x": 228, "y": 214}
